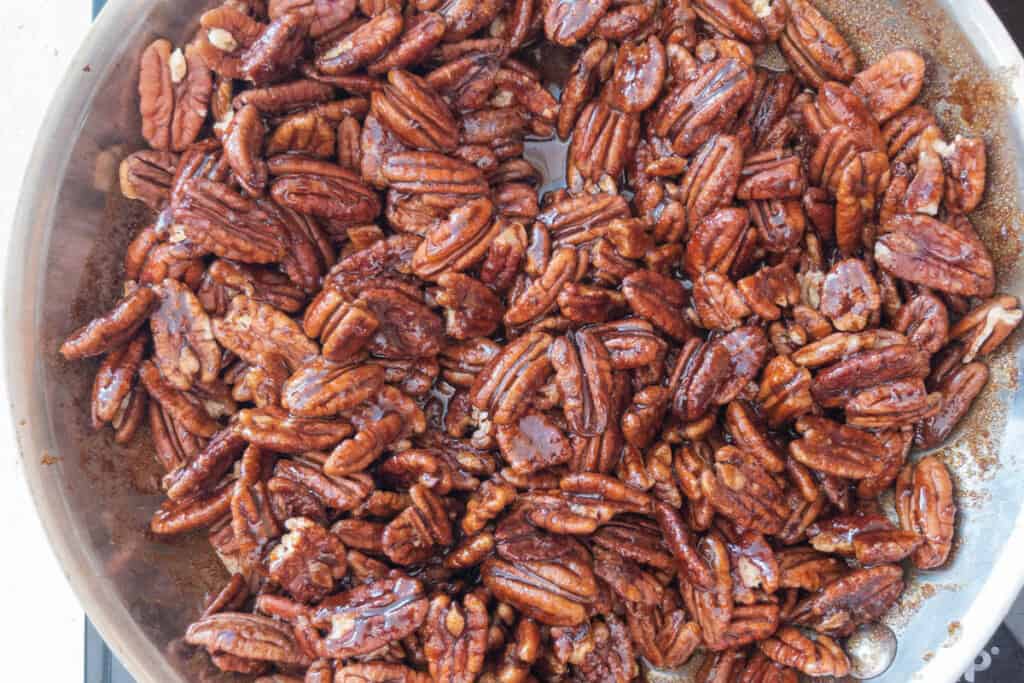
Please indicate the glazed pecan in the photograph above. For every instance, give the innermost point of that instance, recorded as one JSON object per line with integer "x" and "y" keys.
{"x": 114, "y": 329}
{"x": 248, "y": 636}
{"x": 924, "y": 501}
{"x": 987, "y": 326}
{"x": 344, "y": 55}
{"x": 814, "y": 48}
{"x": 922, "y": 250}
{"x": 819, "y": 657}
{"x": 322, "y": 189}
{"x": 183, "y": 342}
{"x": 415, "y": 114}
{"x": 692, "y": 112}
{"x": 566, "y": 22}
{"x": 858, "y": 597}
{"x": 253, "y": 330}
{"x": 147, "y": 175}
{"x": 174, "y": 95}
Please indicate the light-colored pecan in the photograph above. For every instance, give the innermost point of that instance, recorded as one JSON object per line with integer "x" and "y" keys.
{"x": 146, "y": 175}
{"x": 174, "y": 95}
{"x": 814, "y": 48}
{"x": 850, "y": 296}
{"x": 455, "y": 640}
{"x": 891, "y": 84}
{"x": 692, "y": 112}
{"x": 987, "y": 326}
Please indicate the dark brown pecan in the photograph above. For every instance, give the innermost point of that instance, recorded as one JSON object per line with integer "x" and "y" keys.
{"x": 433, "y": 173}
{"x": 925, "y": 321}
{"x": 116, "y": 328}
{"x": 247, "y": 636}
{"x": 174, "y": 95}
{"x": 771, "y": 175}
{"x": 566, "y": 22}
{"x": 274, "y": 429}
{"x": 836, "y": 449}
{"x": 660, "y": 299}
{"x": 227, "y": 224}
{"x": 541, "y": 295}
{"x": 958, "y": 390}
{"x": 638, "y": 76}
{"x": 365, "y": 618}
{"x": 533, "y": 443}
{"x": 987, "y": 326}
{"x": 926, "y": 507}
{"x": 584, "y": 374}
{"x": 603, "y": 143}
{"x": 741, "y": 490}
{"x": 692, "y": 112}
{"x": 547, "y": 577}
{"x": 146, "y": 175}
{"x": 321, "y": 388}
{"x": 272, "y": 56}
{"x": 924, "y": 251}
{"x": 342, "y": 56}
{"x": 409, "y": 538}
{"x": 835, "y": 385}
{"x": 859, "y": 597}
{"x": 113, "y": 389}
{"x": 785, "y": 391}
{"x": 711, "y": 180}
{"x": 194, "y": 512}
{"x": 714, "y": 241}
{"x": 814, "y": 48}
{"x": 819, "y": 657}
{"x": 417, "y": 115}
{"x": 458, "y": 242}
{"x": 322, "y": 189}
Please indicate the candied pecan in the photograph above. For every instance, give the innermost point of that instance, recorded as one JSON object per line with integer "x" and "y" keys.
{"x": 987, "y": 326}
{"x": 414, "y": 113}
{"x": 925, "y": 321}
{"x": 184, "y": 347}
{"x": 582, "y": 81}
{"x": 322, "y": 388}
{"x": 819, "y": 657}
{"x": 174, "y": 95}
{"x": 835, "y": 385}
{"x": 322, "y": 189}
{"x": 308, "y": 561}
{"x": 891, "y": 84}
{"x": 541, "y": 295}
{"x": 433, "y": 173}
{"x": 566, "y": 22}
{"x": 184, "y": 407}
{"x": 247, "y": 636}
{"x": 814, "y": 48}
{"x": 194, "y": 512}
{"x": 364, "y": 45}
{"x": 225, "y": 35}
{"x": 147, "y": 175}
{"x": 533, "y": 443}
{"x": 850, "y": 296}
{"x": 659, "y": 299}
{"x": 958, "y": 390}
{"x": 836, "y": 449}
{"x": 365, "y": 618}
{"x": 892, "y": 405}
{"x": 273, "y": 428}
{"x": 924, "y": 501}
{"x": 272, "y": 56}
{"x": 254, "y": 330}
{"x": 922, "y": 250}
{"x": 323, "y": 16}
{"x": 116, "y": 328}
{"x": 638, "y": 76}
{"x": 771, "y": 175}
{"x": 693, "y": 111}
{"x": 711, "y": 180}
{"x": 455, "y": 638}
{"x": 603, "y": 143}
{"x": 548, "y": 578}
{"x": 741, "y": 490}
{"x": 859, "y": 597}
{"x": 409, "y": 537}
{"x": 785, "y": 391}
{"x": 471, "y": 309}
{"x": 714, "y": 241}
{"x": 718, "y": 303}
{"x": 113, "y": 389}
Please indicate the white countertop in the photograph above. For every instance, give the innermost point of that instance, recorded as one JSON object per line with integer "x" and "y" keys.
{"x": 44, "y": 639}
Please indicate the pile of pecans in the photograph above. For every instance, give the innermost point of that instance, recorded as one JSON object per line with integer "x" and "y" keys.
{"x": 440, "y": 429}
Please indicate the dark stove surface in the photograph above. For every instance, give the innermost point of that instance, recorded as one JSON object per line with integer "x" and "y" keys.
{"x": 1002, "y": 661}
